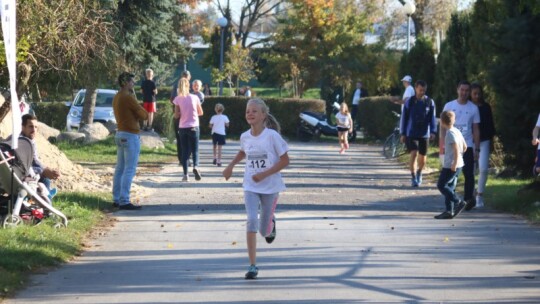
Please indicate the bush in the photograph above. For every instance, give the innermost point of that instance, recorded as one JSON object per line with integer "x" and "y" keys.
{"x": 375, "y": 115}
{"x": 52, "y": 114}
{"x": 286, "y": 111}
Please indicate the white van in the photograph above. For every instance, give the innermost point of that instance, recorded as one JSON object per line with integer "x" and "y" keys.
{"x": 103, "y": 112}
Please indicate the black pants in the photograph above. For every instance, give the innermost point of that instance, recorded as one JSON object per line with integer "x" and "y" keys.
{"x": 468, "y": 173}
{"x": 354, "y": 113}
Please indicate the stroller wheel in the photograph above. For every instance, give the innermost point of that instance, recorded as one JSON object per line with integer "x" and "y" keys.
{"x": 59, "y": 225}
{"x": 11, "y": 221}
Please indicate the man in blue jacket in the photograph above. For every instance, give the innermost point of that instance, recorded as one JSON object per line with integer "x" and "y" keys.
{"x": 418, "y": 126}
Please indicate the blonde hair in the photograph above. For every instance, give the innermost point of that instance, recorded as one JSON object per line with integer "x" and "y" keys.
{"x": 197, "y": 81}
{"x": 219, "y": 108}
{"x": 270, "y": 121}
{"x": 344, "y": 108}
{"x": 448, "y": 118}
{"x": 183, "y": 87}
{"x": 149, "y": 72}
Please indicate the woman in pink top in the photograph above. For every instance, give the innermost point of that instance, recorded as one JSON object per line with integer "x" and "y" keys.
{"x": 188, "y": 108}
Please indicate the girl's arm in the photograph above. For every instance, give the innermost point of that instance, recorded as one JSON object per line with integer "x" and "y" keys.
{"x": 199, "y": 109}
{"x": 176, "y": 111}
{"x": 535, "y": 132}
{"x": 350, "y": 123}
{"x": 282, "y": 163}
{"x": 227, "y": 172}
{"x": 456, "y": 156}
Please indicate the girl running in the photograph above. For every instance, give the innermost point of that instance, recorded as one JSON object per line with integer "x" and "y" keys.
{"x": 344, "y": 126}
{"x": 266, "y": 155}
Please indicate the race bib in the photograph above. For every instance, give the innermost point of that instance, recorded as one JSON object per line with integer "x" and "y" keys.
{"x": 258, "y": 162}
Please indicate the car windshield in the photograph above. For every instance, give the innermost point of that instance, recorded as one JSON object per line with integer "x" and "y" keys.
{"x": 102, "y": 99}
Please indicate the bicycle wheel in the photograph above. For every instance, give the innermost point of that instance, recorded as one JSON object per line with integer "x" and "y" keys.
{"x": 389, "y": 148}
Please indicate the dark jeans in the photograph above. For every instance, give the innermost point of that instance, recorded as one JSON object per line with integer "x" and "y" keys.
{"x": 176, "y": 123}
{"x": 468, "y": 173}
{"x": 447, "y": 185}
{"x": 354, "y": 112}
{"x": 190, "y": 145}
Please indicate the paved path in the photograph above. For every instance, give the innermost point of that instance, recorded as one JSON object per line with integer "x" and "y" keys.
{"x": 350, "y": 230}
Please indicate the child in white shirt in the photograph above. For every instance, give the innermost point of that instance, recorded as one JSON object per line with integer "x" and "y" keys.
{"x": 218, "y": 123}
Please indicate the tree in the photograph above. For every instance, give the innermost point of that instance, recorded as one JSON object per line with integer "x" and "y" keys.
{"x": 452, "y": 65}
{"x": 254, "y": 13}
{"x": 420, "y": 62}
{"x": 323, "y": 40}
{"x": 149, "y": 34}
{"x": 238, "y": 67}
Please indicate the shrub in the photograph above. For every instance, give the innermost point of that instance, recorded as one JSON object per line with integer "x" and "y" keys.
{"x": 375, "y": 114}
{"x": 52, "y": 114}
{"x": 286, "y": 111}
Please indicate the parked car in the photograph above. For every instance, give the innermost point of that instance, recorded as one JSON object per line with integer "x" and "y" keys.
{"x": 103, "y": 112}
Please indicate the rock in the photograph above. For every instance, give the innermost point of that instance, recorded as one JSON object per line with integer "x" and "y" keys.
{"x": 71, "y": 137}
{"x": 46, "y": 131}
{"x": 94, "y": 132}
{"x": 111, "y": 126}
{"x": 151, "y": 140}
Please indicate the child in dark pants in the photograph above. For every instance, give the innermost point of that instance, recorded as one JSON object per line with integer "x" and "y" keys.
{"x": 454, "y": 146}
{"x": 218, "y": 123}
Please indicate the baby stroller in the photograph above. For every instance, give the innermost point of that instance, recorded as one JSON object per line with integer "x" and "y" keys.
{"x": 22, "y": 198}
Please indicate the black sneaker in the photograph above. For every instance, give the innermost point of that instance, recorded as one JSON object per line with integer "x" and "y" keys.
{"x": 459, "y": 207}
{"x": 197, "y": 174}
{"x": 444, "y": 216}
{"x": 272, "y": 236}
{"x": 115, "y": 205}
{"x": 214, "y": 162}
{"x": 129, "y": 206}
{"x": 252, "y": 273}
{"x": 471, "y": 203}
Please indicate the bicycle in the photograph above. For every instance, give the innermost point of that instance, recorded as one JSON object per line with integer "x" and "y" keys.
{"x": 393, "y": 147}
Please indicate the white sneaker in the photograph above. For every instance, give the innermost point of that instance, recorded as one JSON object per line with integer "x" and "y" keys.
{"x": 185, "y": 178}
{"x": 479, "y": 201}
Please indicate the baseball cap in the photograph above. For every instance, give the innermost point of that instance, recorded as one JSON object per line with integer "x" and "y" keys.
{"x": 407, "y": 78}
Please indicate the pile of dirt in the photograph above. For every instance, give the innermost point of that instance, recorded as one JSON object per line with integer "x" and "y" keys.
{"x": 74, "y": 177}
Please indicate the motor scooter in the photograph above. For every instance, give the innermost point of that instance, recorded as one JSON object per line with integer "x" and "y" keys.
{"x": 313, "y": 125}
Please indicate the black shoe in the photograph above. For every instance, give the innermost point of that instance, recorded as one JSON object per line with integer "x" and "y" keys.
{"x": 444, "y": 216}
{"x": 459, "y": 207}
{"x": 272, "y": 236}
{"x": 214, "y": 162}
{"x": 115, "y": 205}
{"x": 129, "y": 206}
{"x": 197, "y": 174}
{"x": 470, "y": 204}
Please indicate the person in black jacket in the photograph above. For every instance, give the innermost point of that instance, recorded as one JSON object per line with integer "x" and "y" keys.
{"x": 418, "y": 126}
{"x": 487, "y": 132}
{"x": 358, "y": 93}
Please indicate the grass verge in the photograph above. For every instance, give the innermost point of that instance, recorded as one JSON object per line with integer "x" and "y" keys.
{"x": 104, "y": 151}
{"x": 27, "y": 249}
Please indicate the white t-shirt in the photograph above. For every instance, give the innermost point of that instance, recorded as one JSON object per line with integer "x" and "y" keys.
{"x": 466, "y": 115}
{"x": 218, "y": 123}
{"x": 343, "y": 120}
{"x": 356, "y": 98}
{"x": 409, "y": 91}
{"x": 453, "y": 136}
{"x": 262, "y": 153}
{"x": 538, "y": 125}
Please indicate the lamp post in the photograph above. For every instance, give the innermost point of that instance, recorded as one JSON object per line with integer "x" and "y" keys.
{"x": 409, "y": 8}
{"x": 222, "y": 22}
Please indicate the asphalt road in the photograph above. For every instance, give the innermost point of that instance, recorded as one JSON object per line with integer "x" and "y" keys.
{"x": 350, "y": 230}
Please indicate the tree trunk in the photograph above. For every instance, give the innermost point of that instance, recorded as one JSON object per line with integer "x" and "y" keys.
{"x": 87, "y": 116}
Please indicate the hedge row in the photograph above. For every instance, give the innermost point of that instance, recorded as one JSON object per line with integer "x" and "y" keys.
{"x": 376, "y": 117}
{"x": 286, "y": 110}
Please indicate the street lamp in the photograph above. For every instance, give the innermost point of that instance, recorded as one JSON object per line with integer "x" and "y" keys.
{"x": 222, "y": 22}
{"x": 409, "y": 9}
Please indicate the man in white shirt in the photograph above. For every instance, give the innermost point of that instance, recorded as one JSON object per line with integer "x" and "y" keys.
{"x": 468, "y": 122}
{"x": 358, "y": 93}
{"x": 409, "y": 92}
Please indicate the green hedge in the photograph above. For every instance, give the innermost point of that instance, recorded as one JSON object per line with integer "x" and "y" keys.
{"x": 286, "y": 111}
{"x": 53, "y": 114}
{"x": 376, "y": 117}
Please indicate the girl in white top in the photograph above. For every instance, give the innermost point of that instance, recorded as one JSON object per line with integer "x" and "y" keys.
{"x": 218, "y": 123}
{"x": 266, "y": 155}
{"x": 344, "y": 126}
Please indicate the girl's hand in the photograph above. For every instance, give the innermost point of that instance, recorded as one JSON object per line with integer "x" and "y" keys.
{"x": 258, "y": 177}
{"x": 453, "y": 167}
{"x": 535, "y": 141}
{"x": 227, "y": 172}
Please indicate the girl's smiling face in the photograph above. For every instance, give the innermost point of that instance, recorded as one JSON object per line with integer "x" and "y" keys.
{"x": 254, "y": 114}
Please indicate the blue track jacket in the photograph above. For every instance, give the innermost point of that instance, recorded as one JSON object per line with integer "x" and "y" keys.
{"x": 418, "y": 118}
